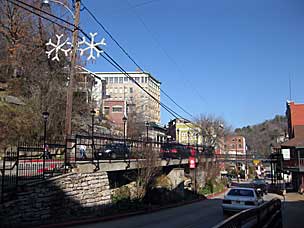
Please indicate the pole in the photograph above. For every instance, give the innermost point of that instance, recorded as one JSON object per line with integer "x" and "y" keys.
{"x": 92, "y": 137}
{"x": 44, "y": 147}
{"x": 124, "y": 131}
{"x": 236, "y": 166}
{"x": 147, "y": 133}
{"x": 69, "y": 101}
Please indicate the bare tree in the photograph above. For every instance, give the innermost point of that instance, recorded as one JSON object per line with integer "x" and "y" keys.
{"x": 213, "y": 130}
{"x": 147, "y": 169}
{"x": 30, "y": 76}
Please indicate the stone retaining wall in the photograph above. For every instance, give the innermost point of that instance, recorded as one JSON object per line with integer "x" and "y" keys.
{"x": 60, "y": 198}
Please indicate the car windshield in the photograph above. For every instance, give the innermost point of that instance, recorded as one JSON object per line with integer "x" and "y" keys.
{"x": 240, "y": 192}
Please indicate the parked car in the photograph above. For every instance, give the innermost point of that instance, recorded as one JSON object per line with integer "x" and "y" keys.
{"x": 238, "y": 199}
{"x": 174, "y": 150}
{"x": 260, "y": 185}
{"x": 113, "y": 151}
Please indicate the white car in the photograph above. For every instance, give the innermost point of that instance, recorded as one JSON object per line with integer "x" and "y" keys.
{"x": 238, "y": 199}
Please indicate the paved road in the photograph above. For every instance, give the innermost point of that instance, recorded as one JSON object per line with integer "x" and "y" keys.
{"x": 293, "y": 208}
{"x": 206, "y": 213}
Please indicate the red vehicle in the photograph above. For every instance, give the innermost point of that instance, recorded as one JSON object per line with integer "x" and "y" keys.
{"x": 177, "y": 150}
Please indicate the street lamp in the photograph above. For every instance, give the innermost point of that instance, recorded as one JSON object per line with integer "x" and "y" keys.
{"x": 188, "y": 138}
{"x": 93, "y": 112}
{"x": 124, "y": 119}
{"x": 69, "y": 100}
{"x": 177, "y": 135}
{"x": 45, "y": 118}
{"x": 236, "y": 165}
{"x": 147, "y": 124}
{"x": 47, "y": 2}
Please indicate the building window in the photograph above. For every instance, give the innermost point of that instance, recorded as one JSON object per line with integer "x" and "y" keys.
{"x": 106, "y": 110}
{"x": 240, "y": 140}
{"x": 111, "y": 80}
{"x": 121, "y": 80}
{"x": 146, "y": 79}
{"x": 232, "y": 140}
{"x": 117, "y": 109}
{"x": 131, "y": 90}
{"x": 126, "y": 79}
{"x": 116, "y": 80}
{"x": 232, "y": 146}
{"x": 142, "y": 79}
{"x": 240, "y": 145}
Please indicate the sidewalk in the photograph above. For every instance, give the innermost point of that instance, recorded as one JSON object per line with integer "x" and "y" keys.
{"x": 293, "y": 209}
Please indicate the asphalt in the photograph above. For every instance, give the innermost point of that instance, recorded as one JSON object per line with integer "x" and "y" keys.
{"x": 293, "y": 210}
{"x": 206, "y": 213}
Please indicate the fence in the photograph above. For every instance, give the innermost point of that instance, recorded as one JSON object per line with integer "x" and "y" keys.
{"x": 26, "y": 163}
{"x": 268, "y": 215}
{"x": 30, "y": 162}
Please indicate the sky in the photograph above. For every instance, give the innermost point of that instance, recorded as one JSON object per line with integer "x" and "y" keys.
{"x": 228, "y": 58}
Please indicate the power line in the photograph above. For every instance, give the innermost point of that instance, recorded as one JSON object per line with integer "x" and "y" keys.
{"x": 126, "y": 53}
{"x": 163, "y": 50}
{"x": 109, "y": 58}
{"x": 37, "y": 14}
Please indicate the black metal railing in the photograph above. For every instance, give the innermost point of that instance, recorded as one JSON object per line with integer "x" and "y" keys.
{"x": 25, "y": 163}
{"x": 35, "y": 161}
{"x": 268, "y": 215}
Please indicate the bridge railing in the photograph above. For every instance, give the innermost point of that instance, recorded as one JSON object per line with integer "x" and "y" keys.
{"x": 268, "y": 215}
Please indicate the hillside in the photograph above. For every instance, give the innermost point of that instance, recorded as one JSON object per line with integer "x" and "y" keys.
{"x": 259, "y": 137}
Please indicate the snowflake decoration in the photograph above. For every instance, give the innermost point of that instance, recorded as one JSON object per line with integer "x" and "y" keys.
{"x": 58, "y": 47}
{"x": 92, "y": 46}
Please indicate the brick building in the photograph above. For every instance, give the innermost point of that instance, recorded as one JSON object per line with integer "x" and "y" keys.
{"x": 234, "y": 144}
{"x": 293, "y": 149}
{"x": 114, "y": 111}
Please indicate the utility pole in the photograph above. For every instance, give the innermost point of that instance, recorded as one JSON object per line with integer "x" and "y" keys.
{"x": 70, "y": 90}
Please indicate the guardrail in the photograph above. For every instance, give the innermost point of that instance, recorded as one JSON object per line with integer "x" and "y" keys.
{"x": 268, "y": 215}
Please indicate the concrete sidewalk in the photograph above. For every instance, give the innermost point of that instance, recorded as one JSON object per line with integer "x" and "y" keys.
{"x": 293, "y": 210}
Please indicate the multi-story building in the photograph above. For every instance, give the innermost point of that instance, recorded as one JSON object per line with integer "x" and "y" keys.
{"x": 122, "y": 88}
{"x": 293, "y": 149}
{"x": 235, "y": 145}
{"x": 115, "y": 111}
{"x": 185, "y": 132}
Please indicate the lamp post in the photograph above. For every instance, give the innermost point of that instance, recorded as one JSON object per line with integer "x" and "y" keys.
{"x": 177, "y": 135}
{"x": 93, "y": 112}
{"x": 147, "y": 124}
{"x": 188, "y": 137}
{"x": 69, "y": 100}
{"x": 45, "y": 118}
{"x": 236, "y": 166}
{"x": 124, "y": 119}
{"x": 197, "y": 135}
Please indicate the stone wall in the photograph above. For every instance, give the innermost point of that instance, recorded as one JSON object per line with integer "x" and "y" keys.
{"x": 57, "y": 199}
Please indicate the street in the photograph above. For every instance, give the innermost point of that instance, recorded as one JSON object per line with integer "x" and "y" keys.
{"x": 206, "y": 213}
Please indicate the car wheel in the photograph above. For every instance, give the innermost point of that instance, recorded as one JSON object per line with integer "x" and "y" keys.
{"x": 113, "y": 156}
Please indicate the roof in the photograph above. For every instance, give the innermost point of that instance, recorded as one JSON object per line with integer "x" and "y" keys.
{"x": 298, "y": 140}
{"x": 129, "y": 73}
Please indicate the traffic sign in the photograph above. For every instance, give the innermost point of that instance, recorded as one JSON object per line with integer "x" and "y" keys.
{"x": 192, "y": 162}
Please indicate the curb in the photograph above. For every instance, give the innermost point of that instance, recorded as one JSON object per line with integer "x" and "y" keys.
{"x": 129, "y": 214}
{"x": 211, "y": 196}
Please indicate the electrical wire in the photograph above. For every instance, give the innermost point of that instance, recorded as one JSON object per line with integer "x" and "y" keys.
{"x": 126, "y": 53}
{"x": 39, "y": 15}
{"x": 110, "y": 59}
